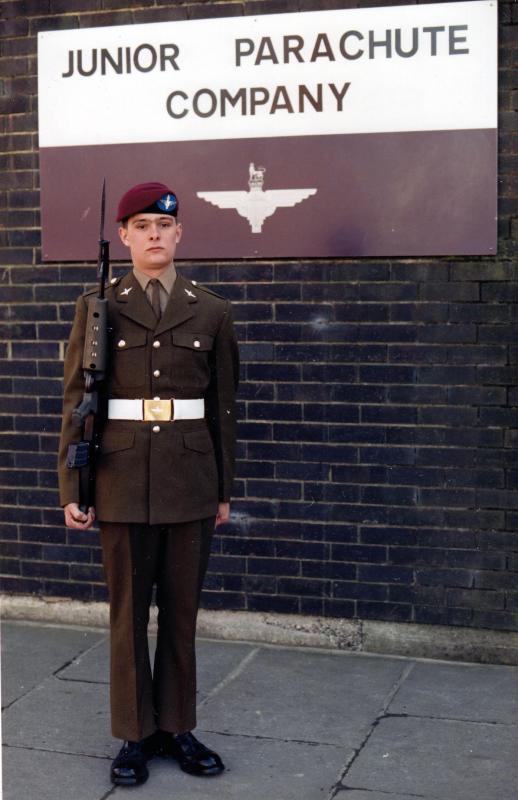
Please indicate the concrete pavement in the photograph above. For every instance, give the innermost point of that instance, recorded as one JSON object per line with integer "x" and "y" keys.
{"x": 290, "y": 724}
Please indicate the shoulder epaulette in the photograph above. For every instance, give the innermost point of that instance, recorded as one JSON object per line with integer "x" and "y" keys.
{"x": 206, "y": 289}
{"x": 110, "y": 285}
{"x": 114, "y": 282}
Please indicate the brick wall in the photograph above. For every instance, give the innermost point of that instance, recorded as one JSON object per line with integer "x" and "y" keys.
{"x": 378, "y": 466}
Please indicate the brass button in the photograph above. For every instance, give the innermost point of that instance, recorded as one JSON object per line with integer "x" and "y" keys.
{"x": 121, "y": 343}
{"x": 156, "y": 343}
{"x": 156, "y": 428}
{"x": 156, "y": 373}
{"x": 196, "y": 343}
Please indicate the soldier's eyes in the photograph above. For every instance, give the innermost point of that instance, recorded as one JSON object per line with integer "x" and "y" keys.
{"x": 142, "y": 226}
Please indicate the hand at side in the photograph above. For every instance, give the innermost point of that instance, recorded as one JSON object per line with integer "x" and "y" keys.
{"x": 223, "y": 514}
{"x": 74, "y": 518}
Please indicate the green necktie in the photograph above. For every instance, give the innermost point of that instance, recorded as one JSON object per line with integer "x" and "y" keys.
{"x": 155, "y": 296}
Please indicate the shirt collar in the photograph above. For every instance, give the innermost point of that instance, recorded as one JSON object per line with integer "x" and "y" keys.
{"x": 167, "y": 278}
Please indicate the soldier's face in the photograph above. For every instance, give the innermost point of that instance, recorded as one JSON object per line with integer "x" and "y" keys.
{"x": 152, "y": 240}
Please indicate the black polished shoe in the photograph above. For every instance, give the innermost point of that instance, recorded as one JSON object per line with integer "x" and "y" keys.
{"x": 129, "y": 766}
{"x": 192, "y": 756}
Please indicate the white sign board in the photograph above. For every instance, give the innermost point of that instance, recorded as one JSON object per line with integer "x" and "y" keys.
{"x": 414, "y": 69}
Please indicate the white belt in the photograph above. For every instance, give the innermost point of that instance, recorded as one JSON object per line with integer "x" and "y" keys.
{"x": 152, "y": 410}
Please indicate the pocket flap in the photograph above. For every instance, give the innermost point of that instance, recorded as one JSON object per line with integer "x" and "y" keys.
{"x": 128, "y": 339}
{"x": 194, "y": 341}
{"x": 115, "y": 441}
{"x": 199, "y": 441}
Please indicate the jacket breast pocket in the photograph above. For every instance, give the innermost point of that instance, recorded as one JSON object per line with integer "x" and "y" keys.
{"x": 198, "y": 342}
{"x": 190, "y": 370}
{"x": 129, "y": 358}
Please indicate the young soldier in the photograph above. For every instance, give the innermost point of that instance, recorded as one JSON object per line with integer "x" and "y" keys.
{"x": 163, "y": 477}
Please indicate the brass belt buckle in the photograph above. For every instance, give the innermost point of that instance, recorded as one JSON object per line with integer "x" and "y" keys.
{"x": 159, "y": 410}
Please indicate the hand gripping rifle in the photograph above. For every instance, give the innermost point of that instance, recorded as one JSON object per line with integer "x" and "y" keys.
{"x": 82, "y": 454}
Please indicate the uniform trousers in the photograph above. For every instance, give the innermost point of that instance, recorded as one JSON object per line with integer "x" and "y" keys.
{"x": 135, "y": 557}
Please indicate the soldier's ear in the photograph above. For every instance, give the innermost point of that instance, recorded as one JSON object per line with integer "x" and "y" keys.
{"x": 179, "y": 231}
{"x": 123, "y": 234}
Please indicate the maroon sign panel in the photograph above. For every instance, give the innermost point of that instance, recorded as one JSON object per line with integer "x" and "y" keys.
{"x": 390, "y": 194}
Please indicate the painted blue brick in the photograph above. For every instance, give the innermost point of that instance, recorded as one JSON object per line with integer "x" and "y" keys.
{"x": 377, "y": 403}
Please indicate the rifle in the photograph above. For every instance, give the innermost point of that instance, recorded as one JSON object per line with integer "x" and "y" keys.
{"x": 86, "y": 416}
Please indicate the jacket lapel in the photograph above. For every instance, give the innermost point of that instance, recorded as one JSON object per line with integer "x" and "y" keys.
{"x": 181, "y": 305}
{"x": 133, "y": 303}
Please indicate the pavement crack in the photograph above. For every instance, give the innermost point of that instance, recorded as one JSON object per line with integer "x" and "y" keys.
{"x": 77, "y": 657}
{"x": 397, "y": 794}
{"x": 403, "y": 675}
{"x": 61, "y": 680}
{"x": 405, "y": 672}
{"x": 54, "y": 750}
{"x": 405, "y": 715}
{"x": 259, "y": 737}
{"x": 109, "y": 793}
{"x": 232, "y": 675}
{"x": 82, "y": 680}
{"x": 8, "y": 705}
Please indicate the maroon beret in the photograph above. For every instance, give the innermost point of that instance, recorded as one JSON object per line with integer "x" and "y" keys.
{"x": 151, "y": 198}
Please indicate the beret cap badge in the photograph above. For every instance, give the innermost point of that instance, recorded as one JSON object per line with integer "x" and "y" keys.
{"x": 167, "y": 202}
{"x": 150, "y": 198}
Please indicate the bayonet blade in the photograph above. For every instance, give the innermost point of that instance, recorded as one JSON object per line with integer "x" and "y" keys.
{"x": 103, "y": 204}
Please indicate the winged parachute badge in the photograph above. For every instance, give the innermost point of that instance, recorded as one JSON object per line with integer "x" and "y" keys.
{"x": 256, "y": 204}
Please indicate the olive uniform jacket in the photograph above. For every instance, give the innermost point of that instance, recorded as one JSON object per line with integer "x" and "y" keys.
{"x": 171, "y": 471}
